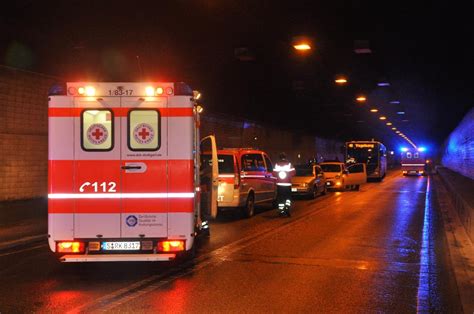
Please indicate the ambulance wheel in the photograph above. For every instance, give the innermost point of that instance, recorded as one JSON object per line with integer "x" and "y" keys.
{"x": 249, "y": 209}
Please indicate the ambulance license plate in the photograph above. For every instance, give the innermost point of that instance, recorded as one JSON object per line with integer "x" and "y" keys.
{"x": 121, "y": 246}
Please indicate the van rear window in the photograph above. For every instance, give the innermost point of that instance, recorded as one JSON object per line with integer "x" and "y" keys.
{"x": 226, "y": 163}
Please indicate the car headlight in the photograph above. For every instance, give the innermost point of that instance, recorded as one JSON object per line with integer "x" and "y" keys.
{"x": 304, "y": 185}
{"x": 282, "y": 174}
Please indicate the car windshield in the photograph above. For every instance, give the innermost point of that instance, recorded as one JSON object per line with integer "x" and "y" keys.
{"x": 304, "y": 171}
{"x": 331, "y": 168}
{"x": 226, "y": 163}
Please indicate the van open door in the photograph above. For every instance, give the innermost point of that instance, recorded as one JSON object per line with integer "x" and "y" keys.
{"x": 209, "y": 173}
{"x": 357, "y": 175}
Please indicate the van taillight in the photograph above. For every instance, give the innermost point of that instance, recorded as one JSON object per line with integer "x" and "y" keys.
{"x": 236, "y": 181}
{"x": 70, "y": 247}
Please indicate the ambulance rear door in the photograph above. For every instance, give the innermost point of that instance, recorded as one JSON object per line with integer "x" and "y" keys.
{"x": 144, "y": 167}
{"x": 97, "y": 173}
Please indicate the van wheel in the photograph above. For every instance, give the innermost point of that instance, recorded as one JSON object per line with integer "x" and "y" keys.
{"x": 249, "y": 209}
{"x": 357, "y": 187}
{"x": 325, "y": 190}
{"x": 314, "y": 192}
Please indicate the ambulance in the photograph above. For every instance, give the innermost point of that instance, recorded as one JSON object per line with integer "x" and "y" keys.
{"x": 124, "y": 172}
{"x": 413, "y": 161}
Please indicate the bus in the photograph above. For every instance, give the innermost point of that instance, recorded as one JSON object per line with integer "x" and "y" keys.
{"x": 372, "y": 153}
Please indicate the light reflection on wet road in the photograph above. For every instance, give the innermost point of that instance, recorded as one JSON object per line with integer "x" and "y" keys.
{"x": 351, "y": 251}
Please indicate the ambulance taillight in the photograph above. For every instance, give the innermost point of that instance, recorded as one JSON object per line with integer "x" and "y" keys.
{"x": 70, "y": 247}
{"x": 171, "y": 246}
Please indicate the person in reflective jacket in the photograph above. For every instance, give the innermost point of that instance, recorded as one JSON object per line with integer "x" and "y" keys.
{"x": 283, "y": 171}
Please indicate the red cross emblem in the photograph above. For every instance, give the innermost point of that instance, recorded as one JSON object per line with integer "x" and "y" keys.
{"x": 97, "y": 133}
{"x": 143, "y": 133}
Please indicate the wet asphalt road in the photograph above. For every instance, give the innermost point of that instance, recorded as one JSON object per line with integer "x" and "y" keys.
{"x": 381, "y": 249}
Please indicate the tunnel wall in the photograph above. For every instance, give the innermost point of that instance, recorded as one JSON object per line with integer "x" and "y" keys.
{"x": 298, "y": 146}
{"x": 458, "y": 152}
{"x": 24, "y": 135}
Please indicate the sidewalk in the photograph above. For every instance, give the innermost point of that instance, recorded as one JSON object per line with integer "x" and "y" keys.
{"x": 461, "y": 189}
{"x": 23, "y": 222}
{"x": 456, "y": 199}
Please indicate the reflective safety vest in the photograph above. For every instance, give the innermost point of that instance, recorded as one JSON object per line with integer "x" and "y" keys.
{"x": 284, "y": 171}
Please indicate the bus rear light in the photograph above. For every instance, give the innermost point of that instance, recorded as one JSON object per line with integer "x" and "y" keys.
{"x": 159, "y": 91}
{"x": 171, "y": 246}
{"x": 70, "y": 247}
{"x": 81, "y": 90}
{"x": 169, "y": 91}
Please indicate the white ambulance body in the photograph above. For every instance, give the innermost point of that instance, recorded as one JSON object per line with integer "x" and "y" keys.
{"x": 123, "y": 172}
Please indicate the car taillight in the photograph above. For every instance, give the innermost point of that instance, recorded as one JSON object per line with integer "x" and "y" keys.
{"x": 70, "y": 247}
{"x": 171, "y": 246}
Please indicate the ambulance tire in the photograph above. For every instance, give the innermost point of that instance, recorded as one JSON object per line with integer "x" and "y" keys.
{"x": 249, "y": 208}
{"x": 186, "y": 256}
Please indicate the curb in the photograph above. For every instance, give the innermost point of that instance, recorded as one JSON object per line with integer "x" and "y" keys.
{"x": 23, "y": 241}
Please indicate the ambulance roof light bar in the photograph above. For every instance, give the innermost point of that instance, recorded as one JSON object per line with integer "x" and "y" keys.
{"x": 102, "y": 88}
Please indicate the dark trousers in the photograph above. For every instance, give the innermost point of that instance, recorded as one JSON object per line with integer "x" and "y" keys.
{"x": 283, "y": 194}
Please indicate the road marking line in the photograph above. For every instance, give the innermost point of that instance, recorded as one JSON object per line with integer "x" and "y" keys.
{"x": 423, "y": 295}
{"x": 214, "y": 257}
{"x": 24, "y": 250}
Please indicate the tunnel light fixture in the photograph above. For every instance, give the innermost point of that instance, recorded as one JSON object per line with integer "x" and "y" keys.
{"x": 340, "y": 80}
{"x": 374, "y": 110}
{"x": 302, "y": 47}
{"x": 383, "y": 118}
{"x": 361, "y": 99}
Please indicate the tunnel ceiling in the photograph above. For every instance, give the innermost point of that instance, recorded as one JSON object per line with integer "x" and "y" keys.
{"x": 239, "y": 55}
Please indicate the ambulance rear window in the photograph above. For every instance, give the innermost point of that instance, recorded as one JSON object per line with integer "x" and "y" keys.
{"x": 144, "y": 130}
{"x": 97, "y": 130}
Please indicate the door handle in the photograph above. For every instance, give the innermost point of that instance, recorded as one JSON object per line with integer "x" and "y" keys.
{"x": 131, "y": 167}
